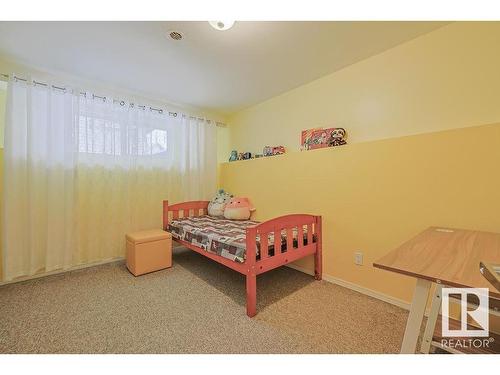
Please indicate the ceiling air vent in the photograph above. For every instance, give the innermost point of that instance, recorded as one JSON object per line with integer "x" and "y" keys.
{"x": 175, "y": 35}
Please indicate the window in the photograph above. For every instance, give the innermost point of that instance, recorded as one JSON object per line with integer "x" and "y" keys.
{"x": 98, "y": 136}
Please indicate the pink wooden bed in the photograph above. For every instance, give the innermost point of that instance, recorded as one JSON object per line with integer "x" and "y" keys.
{"x": 253, "y": 266}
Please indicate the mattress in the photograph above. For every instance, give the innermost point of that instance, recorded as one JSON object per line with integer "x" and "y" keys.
{"x": 223, "y": 237}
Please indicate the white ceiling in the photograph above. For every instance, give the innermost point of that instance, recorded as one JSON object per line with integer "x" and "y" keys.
{"x": 221, "y": 71}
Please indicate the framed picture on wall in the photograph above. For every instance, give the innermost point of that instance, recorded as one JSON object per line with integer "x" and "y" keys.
{"x": 315, "y": 138}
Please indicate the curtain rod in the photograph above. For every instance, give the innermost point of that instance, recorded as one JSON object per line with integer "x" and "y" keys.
{"x": 122, "y": 102}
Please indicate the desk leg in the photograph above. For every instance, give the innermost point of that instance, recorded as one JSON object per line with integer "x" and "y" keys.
{"x": 431, "y": 320}
{"x": 415, "y": 317}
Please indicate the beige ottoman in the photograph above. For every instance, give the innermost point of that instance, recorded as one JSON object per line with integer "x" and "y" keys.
{"x": 148, "y": 251}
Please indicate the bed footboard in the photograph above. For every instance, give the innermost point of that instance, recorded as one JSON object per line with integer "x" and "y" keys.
{"x": 302, "y": 237}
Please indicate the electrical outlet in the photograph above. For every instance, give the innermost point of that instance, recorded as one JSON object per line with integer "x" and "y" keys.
{"x": 358, "y": 258}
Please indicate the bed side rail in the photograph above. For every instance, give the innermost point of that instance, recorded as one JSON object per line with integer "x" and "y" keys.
{"x": 302, "y": 235}
{"x": 183, "y": 209}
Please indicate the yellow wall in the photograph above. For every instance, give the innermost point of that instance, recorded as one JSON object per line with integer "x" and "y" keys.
{"x": 3, "y": 95}
{"x": 375, "y": 195}
{"x": 223, "y": 148}
{"x": 1, "y": 212}
{"x": 446, "y": 79}
{"x": 2, "y": 126}
{"x": 404, "y": 169}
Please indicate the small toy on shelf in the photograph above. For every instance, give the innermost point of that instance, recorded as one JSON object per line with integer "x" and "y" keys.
{"x": 233, "y": 156}
{"x": 247, "y": 155}
{"x": 278, "y": 150}
{"x": 273, "y": 150}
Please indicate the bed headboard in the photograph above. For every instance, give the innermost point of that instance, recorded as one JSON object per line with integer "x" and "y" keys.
{"x": 183, "y": 209}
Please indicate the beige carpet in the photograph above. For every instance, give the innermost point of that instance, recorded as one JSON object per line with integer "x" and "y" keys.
{"x": 197, "y": 306}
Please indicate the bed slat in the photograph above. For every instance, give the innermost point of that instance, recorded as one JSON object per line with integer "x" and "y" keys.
{"x": 300, "y": 236}
{"x": 289, "y": 239}
{"x": 309, "y": 233}
{"x": 264, "y": 246}
{"x": 277, "y": 241}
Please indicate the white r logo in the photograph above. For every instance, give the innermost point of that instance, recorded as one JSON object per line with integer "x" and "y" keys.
{"x": 480, "y": 314}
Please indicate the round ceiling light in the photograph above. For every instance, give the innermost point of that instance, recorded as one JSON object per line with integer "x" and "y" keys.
{"x": 221, "y": 25}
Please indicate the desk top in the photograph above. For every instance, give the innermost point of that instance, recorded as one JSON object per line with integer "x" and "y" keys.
{"x": 447, "y": 256}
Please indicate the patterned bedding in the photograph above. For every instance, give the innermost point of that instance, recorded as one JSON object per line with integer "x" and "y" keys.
{"x": 226, "y": 238}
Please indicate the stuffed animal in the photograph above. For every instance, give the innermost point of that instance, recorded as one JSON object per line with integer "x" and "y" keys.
{"x": 238, "y": 209}
{"x": 217, "y": 205}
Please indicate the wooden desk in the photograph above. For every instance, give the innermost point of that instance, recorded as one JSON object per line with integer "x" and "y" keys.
{"x": 446, "y": 257}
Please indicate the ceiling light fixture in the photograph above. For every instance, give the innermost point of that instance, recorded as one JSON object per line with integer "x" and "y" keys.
{"x": 221, "y": 25}
{"x": 175, "y": 35}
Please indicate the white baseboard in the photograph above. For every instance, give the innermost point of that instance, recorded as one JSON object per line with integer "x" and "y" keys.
{"x": 358, "y": 288}
{"x": 56, "y": 272}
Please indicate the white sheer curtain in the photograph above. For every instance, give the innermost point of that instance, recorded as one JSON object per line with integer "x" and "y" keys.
{"x": 81, "y": 171}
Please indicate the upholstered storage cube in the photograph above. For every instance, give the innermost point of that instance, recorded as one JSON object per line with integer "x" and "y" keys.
{"x": 148, "y": 251}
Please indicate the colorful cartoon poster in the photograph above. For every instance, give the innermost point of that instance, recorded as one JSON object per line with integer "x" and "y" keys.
{"x": 312, "y": 139}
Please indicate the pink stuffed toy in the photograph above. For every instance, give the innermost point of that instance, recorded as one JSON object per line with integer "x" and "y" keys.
{"x": 238, "y": 209}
